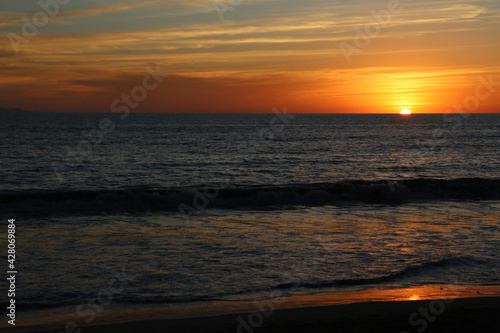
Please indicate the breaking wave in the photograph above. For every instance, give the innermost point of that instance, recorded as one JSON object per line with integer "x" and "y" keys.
{"x": 189, "y": 199}
{"x": 408, "y": 272}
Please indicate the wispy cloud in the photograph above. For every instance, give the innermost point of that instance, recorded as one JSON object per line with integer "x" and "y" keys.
{"x": 428, "y": 50}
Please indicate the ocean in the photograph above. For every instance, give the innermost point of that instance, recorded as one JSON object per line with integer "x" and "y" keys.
{"x": 236, "y": 207}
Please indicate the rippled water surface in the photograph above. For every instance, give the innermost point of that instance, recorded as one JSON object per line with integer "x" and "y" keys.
{"x": 299, "y": 205}
{"x": 249, "y": 254}
{"x": 55, "y": 151}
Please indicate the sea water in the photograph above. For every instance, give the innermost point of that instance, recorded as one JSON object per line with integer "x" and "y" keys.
{"x": 199, "y": 207}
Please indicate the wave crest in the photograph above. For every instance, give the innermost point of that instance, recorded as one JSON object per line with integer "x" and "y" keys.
{"x": 189, "y": 199}
{"x": 409, "y": 271}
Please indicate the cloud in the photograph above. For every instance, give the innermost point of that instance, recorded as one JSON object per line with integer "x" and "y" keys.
{"x": 101, "y": 9}
{"x": 13, "y": 18}
{"x": 264, "y": 53}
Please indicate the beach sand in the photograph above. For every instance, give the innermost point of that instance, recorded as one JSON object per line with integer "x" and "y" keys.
{"x": 313, "y": 313}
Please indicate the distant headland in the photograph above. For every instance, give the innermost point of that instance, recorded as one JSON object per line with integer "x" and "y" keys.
{"x": 16, "y": 110}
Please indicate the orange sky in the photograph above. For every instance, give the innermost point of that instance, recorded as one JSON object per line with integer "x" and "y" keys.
{"x": 424, "y": 55}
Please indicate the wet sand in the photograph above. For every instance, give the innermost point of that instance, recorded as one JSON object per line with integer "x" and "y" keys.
{"x": 313, "y": 313}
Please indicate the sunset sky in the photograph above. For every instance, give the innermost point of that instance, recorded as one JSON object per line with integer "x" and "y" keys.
{"x": 264, "y": 54}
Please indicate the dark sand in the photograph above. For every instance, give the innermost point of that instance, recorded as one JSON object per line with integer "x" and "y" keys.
{"x": 479, "y": 314}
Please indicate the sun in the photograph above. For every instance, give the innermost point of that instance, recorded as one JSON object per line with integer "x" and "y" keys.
{"x": 405, "y": 111}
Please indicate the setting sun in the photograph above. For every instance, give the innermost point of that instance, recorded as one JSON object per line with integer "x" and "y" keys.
{"x": 405, "y": 111}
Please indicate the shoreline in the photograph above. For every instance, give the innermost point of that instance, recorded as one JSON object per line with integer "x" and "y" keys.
{"x": 457, "y": 307}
